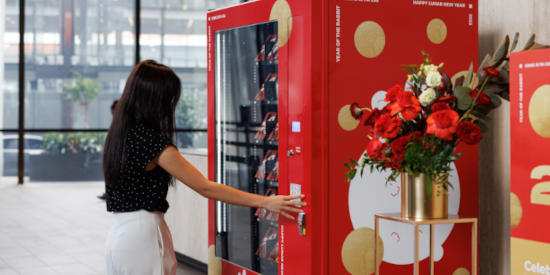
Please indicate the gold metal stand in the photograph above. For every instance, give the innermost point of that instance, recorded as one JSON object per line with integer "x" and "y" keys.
{"x": 416, "y": 223}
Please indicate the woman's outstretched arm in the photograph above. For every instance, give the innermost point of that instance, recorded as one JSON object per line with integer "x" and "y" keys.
{"x": 175, "y": 164}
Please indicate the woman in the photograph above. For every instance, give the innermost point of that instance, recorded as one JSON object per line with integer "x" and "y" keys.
{"x": 139, "y": 163}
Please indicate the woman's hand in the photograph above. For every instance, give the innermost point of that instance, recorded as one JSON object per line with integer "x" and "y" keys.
{"x": 284, "y": 205}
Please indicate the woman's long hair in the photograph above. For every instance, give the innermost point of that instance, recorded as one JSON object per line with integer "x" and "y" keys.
{"x": 149, "y": 99}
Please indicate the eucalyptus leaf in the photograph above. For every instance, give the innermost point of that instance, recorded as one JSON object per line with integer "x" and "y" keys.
{"x": 495, "y": 99}
{"x": 469, "y": 75}
{"x": 483, "y": 64}
{"x": 501, "y": 53}
{"x": 514, "y": 42}
{"x": 530, "y": 42}
{"x": 462, "y": 95}
{"x": 482, "y": 127}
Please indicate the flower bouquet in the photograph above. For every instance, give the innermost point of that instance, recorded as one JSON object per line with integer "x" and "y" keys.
{"x": 416, "y": 133}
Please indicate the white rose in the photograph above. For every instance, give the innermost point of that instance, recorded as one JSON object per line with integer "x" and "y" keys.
{"x": 430, "y": 68}
{"x": 433, "y": 79}
{"x": 427, "y": 97}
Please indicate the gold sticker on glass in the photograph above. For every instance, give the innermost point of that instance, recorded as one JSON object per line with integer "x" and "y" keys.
{"x": 437, "y": 31}
{"x": 370, "y": 39}
{"x": 539, "y": 111}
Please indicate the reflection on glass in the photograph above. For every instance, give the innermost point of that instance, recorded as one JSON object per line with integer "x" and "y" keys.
{"x": 194, "y": 141}
{"x": 64, "y": 157}
{"x": 173, "y": 32}
{"x": 77, "y": 56}
{"x": 246, "y": 86}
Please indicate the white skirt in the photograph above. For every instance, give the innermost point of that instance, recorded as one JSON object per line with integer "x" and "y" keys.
{"x": 139, "y": 243}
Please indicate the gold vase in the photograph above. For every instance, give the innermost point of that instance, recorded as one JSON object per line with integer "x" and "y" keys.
{"x": 419, "y": 202}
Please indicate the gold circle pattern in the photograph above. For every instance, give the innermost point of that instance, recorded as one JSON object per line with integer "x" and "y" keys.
{"x": 461, "y": 271}
{"x": 358, "y": 251}
{"x": 516, "y": 211}
{"x": 370, "y": 39}
{"x": 346, "y": 121}
{"x": 282, "y": 13}
{"x": 539, "y": 111}
{"x": 214, "y": 263}
{"x": 437, "y": 31}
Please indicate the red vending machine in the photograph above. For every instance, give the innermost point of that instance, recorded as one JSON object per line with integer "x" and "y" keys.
{"x": 282, "y": 75}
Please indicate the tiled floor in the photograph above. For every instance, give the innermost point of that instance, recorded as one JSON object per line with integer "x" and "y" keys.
{"x": 54, "y": 228}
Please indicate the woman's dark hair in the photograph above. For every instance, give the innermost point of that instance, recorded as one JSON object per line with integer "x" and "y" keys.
{"x": 149, "y": 99}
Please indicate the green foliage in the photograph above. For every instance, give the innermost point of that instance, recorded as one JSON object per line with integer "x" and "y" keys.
{"x": 431, "y": 156}
{"x": 73, "y": 143}
{"x": 514, "y": 42}
{"x": 501, "y": 53}
{"x": 463, "y": 97}
{"x": 189, "y": 116}
{"x": 82, "y": 90}
{"x": 530, "y": 42}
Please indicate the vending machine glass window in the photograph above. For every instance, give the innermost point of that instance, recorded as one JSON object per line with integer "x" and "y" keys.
{"x": 246, "y": 126}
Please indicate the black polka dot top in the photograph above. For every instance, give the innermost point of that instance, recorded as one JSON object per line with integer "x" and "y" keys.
{"x": 139, "y": 189}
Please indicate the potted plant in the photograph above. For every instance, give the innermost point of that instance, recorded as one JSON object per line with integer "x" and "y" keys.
{"x": 82, "y": 91}
{"x": 69, "y": 157}
{"x": 188, "y": 116}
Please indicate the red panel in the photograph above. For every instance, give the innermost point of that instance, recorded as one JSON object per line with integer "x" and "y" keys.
{"x": 529, "y": 150}
{"x": 230, "y": 268}
{"x": 295, "y": 87}
{"x": 355, "y": 79}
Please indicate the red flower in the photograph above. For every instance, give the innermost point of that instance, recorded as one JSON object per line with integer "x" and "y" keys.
{"x": 399, "y": 145}
{"x": 376, "y": 150}
{"x": 447, "y": 99}
{"x": 468, "y": 132}
{"x": 407, "y": 104}
{"x": 442, "y": 124}
{"x": 438, "y": 106}
{"x": 482, "y": 99}
{"x": 356, "y": 111}
{"x": 491, "y": 71}
{"x": 387, "y": 127}
{"x": 416, "y": 135}
{"x": 395, "y": 162}
{"x": 370, "y": 118}
{"x": 393, "y": 92}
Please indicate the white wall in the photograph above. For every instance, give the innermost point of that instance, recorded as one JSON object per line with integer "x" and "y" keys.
{"x": 496, "y": 19}
{"x": 187, "y": 216}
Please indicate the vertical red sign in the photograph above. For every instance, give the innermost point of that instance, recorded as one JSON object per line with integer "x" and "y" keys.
{"x": 530, "y": 156}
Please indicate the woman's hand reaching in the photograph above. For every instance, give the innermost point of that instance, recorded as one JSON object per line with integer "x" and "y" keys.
{"x": 284, "y": 205}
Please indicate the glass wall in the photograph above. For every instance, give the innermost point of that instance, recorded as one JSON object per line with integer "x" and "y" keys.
{"x": 77, "y": 57}
{"x": 9, "y": 55}
{"x": 173, "y": 32}
{"x": 78, "y": 54}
